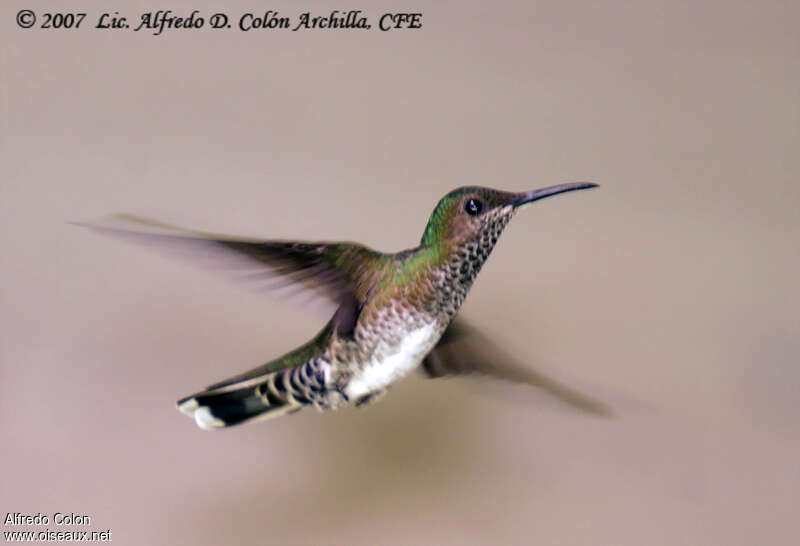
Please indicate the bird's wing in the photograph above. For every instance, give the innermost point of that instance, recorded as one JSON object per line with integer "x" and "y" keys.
{"x": 341, "y": 273}
{"x": 463, "y": 350}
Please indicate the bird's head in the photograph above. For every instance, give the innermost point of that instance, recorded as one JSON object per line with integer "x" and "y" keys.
{"x": 474, "y": 214}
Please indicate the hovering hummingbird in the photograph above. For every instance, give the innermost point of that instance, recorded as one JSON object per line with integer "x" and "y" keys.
{"x": 394, "y": 311}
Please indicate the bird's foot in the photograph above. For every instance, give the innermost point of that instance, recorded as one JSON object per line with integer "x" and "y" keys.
{"x": 370, "y": 398}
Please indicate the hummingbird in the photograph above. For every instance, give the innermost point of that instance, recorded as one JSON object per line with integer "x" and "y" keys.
{"x": 394, "y": 311}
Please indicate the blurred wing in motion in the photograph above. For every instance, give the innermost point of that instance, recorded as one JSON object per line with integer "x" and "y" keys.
{"x": 341, "y": 273}
{"x": 463, "y": 350}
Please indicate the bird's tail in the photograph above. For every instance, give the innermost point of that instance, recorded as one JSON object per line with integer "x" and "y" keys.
{"x": 239, "y": 402}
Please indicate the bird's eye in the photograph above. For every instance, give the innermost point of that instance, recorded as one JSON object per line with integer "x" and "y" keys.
{"x": 473, "y": 206}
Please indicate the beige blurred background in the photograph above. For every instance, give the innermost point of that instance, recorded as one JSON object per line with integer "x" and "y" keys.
{"x": 671, "y": 292}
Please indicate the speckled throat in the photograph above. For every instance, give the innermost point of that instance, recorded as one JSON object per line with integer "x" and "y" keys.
{"x": 465, "y": 261}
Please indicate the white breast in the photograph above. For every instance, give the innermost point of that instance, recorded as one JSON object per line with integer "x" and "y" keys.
{"x": 392, "y": 362}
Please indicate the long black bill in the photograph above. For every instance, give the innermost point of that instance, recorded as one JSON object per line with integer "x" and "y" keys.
{"x": 535, "y": 195}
